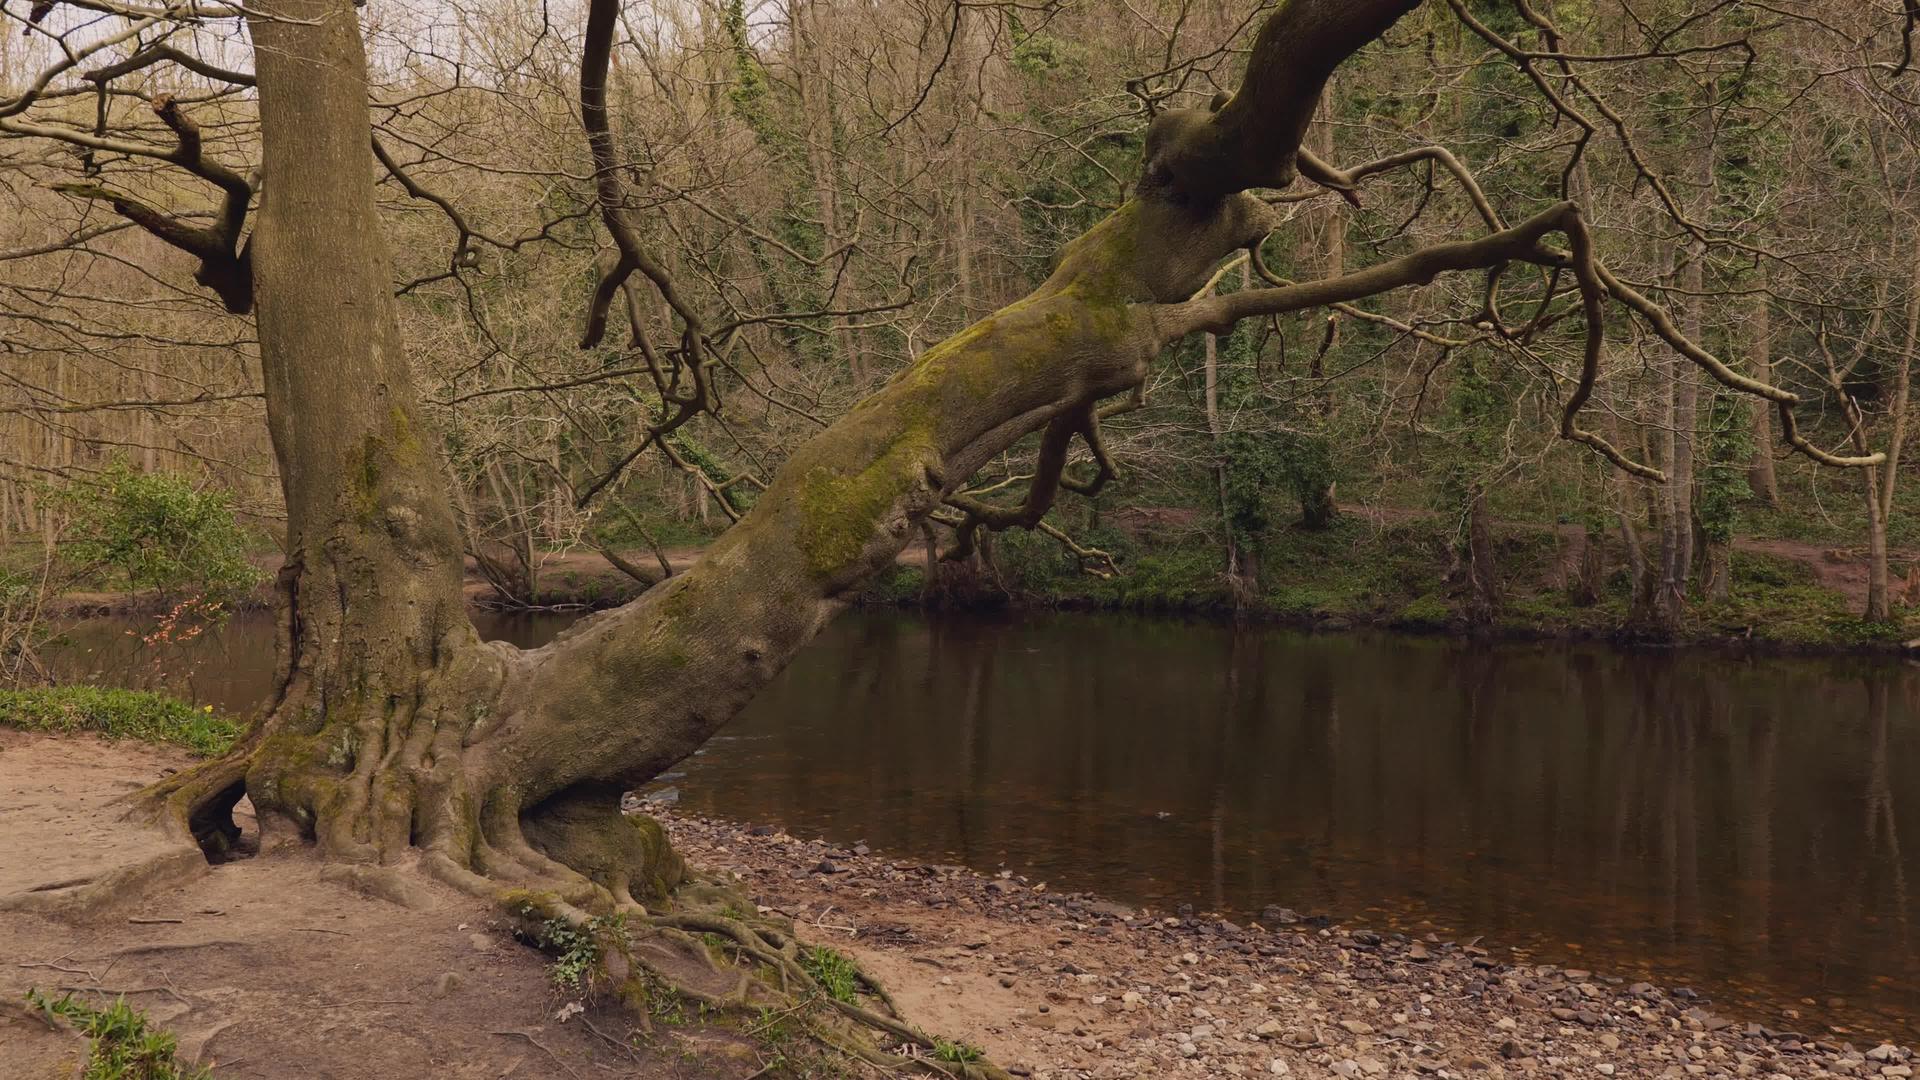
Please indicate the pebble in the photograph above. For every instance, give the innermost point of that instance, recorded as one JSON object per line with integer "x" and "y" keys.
{"x": 1135, "y": 993}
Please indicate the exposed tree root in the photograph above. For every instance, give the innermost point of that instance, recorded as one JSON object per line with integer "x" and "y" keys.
{"x": 663, "y": 940}
{"x": 707, "y": 946}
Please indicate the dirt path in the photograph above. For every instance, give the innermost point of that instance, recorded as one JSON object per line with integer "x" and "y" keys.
{"x": 268, "y": 969}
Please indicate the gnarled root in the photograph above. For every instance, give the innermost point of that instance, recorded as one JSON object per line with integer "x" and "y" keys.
{"x": 708, "y": 947}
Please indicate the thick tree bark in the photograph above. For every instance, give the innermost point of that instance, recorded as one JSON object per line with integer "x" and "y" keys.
{"x": 375, "y": 642}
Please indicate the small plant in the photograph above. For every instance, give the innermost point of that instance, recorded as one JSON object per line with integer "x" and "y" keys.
{"x": 955, "y": 1053}
{"x": 661, "y": 1000}
{"x": 834, "y": 972}
{"x": 576, "y": 964}
{"x": 122, "y": 1045}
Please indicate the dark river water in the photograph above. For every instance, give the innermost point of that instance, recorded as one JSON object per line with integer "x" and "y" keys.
{"x": 1730, "y": 825}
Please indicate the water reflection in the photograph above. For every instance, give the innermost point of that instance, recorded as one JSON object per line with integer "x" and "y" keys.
{"x": 1726, "y": 824}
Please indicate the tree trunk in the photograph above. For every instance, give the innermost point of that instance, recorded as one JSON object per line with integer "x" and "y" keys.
{"x": 394, "y": 733}
{"x": 1761, "y": 476}
{"x": 1483, "y": 574}
{"x": 375, "y": 646}
{"x": 1591, "y": 580}
{"x": 1883, "y": 480}
{"x": 1716, "y": 570}
{"x": 1879, "y": 596}
{"x": 1677, "y": 536}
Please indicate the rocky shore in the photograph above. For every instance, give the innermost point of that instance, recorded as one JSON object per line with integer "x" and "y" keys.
{"x": 1062, "y": 985}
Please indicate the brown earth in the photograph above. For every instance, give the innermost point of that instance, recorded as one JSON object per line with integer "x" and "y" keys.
{"x": 277, "y": 968}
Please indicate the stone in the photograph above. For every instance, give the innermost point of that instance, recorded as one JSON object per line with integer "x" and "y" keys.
{"x": 1356, "y": 1027}
{"x": 1278, "y": 1067}
{"x": 1275, "y": 915}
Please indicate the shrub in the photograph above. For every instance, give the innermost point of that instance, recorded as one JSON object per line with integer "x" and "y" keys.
{"x": 161, "y": 532}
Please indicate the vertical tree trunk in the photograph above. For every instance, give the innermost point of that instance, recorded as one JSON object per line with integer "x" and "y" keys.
{"x": 815, "y": 90}
{"x": 1483, "y": 574}
{"x": 371, "y": 608}
{"x": 1590, "y": 581}
{"x": 1882, "y": 481}
{"x": 1678, "y": 553}
{"x": 1879, "y": 596}
{"x": 1761, "y": 477}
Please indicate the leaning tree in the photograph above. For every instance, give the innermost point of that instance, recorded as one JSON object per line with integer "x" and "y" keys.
{"x": 395, "y": 736}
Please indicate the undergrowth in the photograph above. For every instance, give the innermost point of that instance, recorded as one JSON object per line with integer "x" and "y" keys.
{"x": 119, "y": 714}
{"x": 1404, "y": 575}
{"x": 577, "y": 950}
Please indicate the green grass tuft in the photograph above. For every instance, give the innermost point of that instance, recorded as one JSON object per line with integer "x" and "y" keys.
{"x": 834, "y": 972}
{"x": 119, "y": 714}
{"x": 123, "y": 1045}
{"x": 955, "y": 1053}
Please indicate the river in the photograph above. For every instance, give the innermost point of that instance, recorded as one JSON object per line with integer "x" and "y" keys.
{"x": 1726, "y": 824}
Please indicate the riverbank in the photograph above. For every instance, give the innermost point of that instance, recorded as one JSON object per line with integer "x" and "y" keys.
{"x": 1058, "y": 986}
{"x": 1374, "y": 569}
{"x": 1062, "y": 986}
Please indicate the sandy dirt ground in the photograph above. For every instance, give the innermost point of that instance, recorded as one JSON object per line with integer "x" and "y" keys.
{"x": 274, "y": 968}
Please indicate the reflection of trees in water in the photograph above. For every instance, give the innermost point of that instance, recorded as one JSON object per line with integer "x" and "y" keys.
{"x": 1691, "y": 816}
{"x": 1883, "y": 831}
{"x": 229, "y": 667}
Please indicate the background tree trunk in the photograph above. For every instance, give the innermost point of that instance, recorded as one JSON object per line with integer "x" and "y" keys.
{"x": 1762, "y": 477}
{"x": 1483, "y": 571}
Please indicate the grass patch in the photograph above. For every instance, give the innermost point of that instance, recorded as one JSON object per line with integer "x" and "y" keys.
{"x": 122, "y": 1044}
{"x": 119, "y": 714}
{"x": 834, "y": 972}
{"x": 955, "y": 1053}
